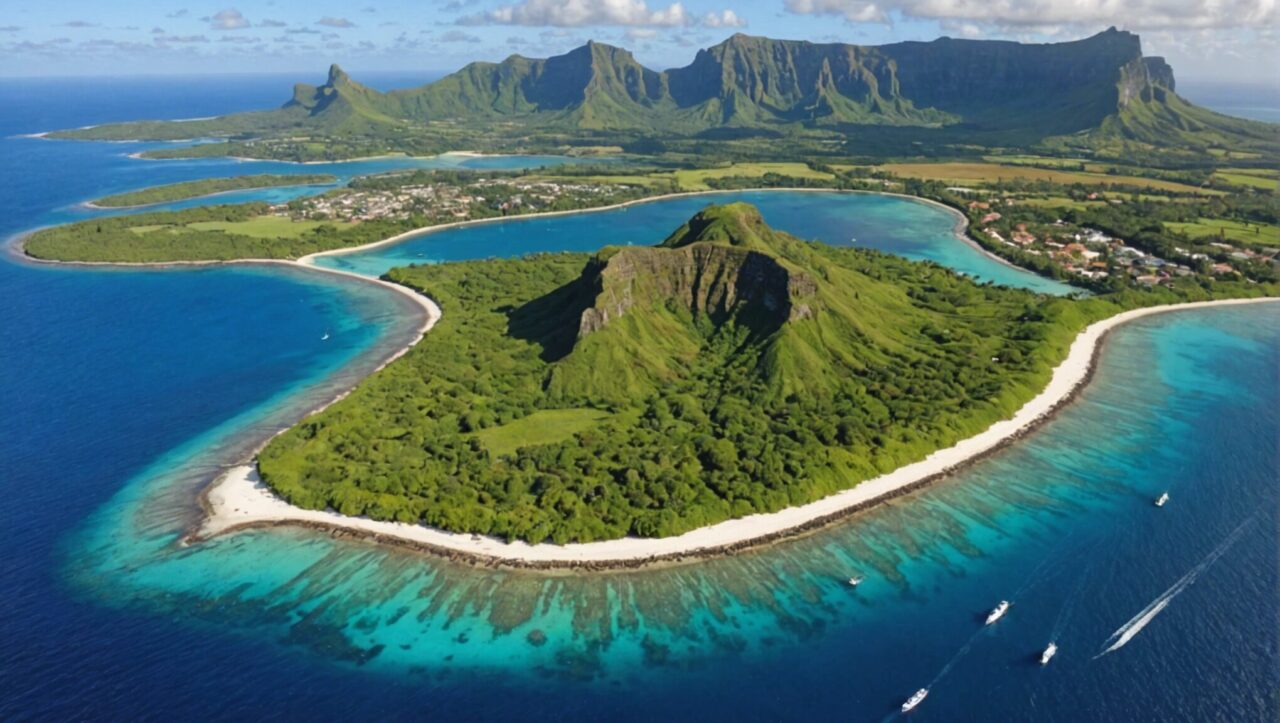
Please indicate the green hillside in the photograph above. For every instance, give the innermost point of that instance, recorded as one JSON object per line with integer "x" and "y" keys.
{"x": 730, "y": 369}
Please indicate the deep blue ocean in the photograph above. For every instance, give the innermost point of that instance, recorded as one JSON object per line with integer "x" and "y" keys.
{"x": 121, "y": 391}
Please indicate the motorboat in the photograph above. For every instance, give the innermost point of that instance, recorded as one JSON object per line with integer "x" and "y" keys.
{"x": 1163, "y": 498}
{"x": 998, "y": 612}
{"x": 1048, "y": 653}
{"x": 915, "y": 700}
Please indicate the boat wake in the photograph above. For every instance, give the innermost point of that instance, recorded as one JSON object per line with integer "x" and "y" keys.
{"x": 1126, "y": 632}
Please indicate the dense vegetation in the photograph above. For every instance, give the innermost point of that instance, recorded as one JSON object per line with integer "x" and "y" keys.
{"x": 732, "y": 370}
{"x": 212, "y": 233}
{"x": 207, "y": 187}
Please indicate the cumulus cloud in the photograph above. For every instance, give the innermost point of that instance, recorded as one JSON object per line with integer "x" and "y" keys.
{"x": 726, "y": 19}
{"x": 229, "y": 19}
{"x": 1041, "y": 14}
{"x": 578, "y": 13}
{"x": 272, "y": 23}
{"x": 332, "y": 22}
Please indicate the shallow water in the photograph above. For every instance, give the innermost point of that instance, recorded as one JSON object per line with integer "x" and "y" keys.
{"x": 120, "y": 389}
{"x": 902, "y": 226}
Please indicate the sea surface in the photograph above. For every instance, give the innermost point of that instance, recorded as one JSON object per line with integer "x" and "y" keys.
{"x": 121, "y": 392}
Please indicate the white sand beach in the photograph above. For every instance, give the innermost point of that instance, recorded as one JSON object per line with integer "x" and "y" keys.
{"x": 239, "y": 500}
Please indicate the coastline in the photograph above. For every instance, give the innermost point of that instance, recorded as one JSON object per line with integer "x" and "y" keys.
{"x": 238, "y": 500}
{"x": 959, "y": 229}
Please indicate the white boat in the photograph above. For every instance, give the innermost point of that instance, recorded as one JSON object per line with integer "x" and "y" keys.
{"x": 855, "y": 581}
{"x": 998, "y": 612}
{"x": 915, "y": 700}
{"x": 1163, "y": 498}
{"x": 1048, "y": 653}
{"x": 325, "y": 337}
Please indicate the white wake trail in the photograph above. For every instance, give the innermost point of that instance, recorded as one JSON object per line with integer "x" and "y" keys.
{"x": 1135, "y": 625}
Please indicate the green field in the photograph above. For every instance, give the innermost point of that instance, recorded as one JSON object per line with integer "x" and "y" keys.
{"x": 266, "y": 227}
{"x": 1247, "y": 233}
{"x": 696, "y": 180}
{"x": 992, "y": 172}
{"x": 544, "y": 427}
{"x": 1248, "y": 177}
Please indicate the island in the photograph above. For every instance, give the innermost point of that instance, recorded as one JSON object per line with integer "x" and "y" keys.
{"x": 207, "y": 187}
{"x": 645, "y": 392}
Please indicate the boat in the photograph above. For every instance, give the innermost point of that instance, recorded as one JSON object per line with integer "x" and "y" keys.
{"x": 855, "y": 581}
{"x": 325, "y": 337}
{"x": 1163, "y": 498}
{"x": 998, "y": 612}
{"x": 915, "y": 700}
{"x": 1048, "y": 653}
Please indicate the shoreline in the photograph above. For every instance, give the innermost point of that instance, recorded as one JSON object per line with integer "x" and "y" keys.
{"x": 238, "y": 500}
{"x": 959, "y": 229}
{"x": 91, "y": 205}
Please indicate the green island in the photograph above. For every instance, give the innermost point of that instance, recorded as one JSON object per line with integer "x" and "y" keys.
{"x": 207, "y": 187}
{"x": 729, "y": 370}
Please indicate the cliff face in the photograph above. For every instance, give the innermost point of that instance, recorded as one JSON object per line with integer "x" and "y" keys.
{"x": 710, "y": 281}
{"x": 754, "y": 81}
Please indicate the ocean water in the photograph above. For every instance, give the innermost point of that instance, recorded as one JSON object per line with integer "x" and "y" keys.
{"x": 122, "y": 391}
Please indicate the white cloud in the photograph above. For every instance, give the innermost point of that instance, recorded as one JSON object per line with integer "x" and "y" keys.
{"x": 229, "y": 19}
{"x": 1040, "y": 14}
{"x": 579, "y": 13}
{"x": 640, "y": 33}
{"x": 725, "y": 19}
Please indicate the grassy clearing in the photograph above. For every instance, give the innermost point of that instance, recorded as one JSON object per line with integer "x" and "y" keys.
{"x": 1246, "y": 233}
{"x": 1248, "y": 177}
{"x": 696, "y": 180}
{"x": 993, "y": 172}
{"x": 543, "y": 427}
{"x": 266, "y": 227}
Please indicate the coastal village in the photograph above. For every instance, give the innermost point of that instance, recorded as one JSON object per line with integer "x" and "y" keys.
{"x": 1090, "y": 254}
{"x": 442, "y": 201}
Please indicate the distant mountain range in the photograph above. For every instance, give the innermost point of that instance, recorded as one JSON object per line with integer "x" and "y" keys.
{"x": 1101, "y": 89}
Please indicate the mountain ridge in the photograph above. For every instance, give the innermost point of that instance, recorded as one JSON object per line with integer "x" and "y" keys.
{"x": 1100, "y": 88}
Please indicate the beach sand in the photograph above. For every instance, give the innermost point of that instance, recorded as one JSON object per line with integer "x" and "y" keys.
{"x": 239, "y": 500}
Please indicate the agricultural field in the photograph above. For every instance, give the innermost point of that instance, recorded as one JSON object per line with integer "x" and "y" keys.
{"x": 1248, "y": 177}
{"x": 1252, "y": 234}
{"x": 696, "y": 180}
{"x": 960, "y": 173}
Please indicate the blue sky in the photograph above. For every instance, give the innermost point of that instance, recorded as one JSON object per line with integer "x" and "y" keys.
{"x": 1204, "y": 39}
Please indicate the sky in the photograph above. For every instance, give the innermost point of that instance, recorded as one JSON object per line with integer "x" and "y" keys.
{"x": 1206, "y": 40}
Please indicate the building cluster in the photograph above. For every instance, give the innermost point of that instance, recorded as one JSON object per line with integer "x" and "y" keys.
{"x": 445, "y": 201}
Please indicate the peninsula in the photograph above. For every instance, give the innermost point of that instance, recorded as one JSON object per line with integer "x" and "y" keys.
{"x": 207, "y": 187}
